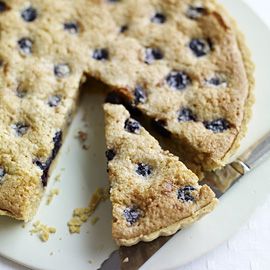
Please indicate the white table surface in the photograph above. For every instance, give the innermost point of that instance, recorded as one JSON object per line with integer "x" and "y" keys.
{"x": 249, "y": 249}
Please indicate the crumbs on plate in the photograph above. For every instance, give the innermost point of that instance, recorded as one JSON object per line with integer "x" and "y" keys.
{"x": 57, "y": 178}
{"x": 42, "y": 230}
{"x": 82, "y": 136}
{"x": 81, "y": 215}
{"x": 53, "y": 192}
{"x": 94, "y": 220}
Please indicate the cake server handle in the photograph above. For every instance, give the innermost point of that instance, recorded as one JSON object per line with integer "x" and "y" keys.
{"x": 256, "y": 154}
{"x": 221, "y": 180}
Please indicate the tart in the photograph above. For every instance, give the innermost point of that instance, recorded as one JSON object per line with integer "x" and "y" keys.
{"x": 183, "y": 64}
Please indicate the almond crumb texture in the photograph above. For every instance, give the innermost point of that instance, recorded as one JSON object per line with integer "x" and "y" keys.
{"x": 182, "y": 63}
{"x": 152, "y": 192}
{"x": 81, "y": 215}
{"x": 43, "y": 231}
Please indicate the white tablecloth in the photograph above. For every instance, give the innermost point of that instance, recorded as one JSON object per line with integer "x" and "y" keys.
{"x": 249, "y": 249}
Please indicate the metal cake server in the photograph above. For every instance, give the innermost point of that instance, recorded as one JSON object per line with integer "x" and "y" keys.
{"x": 131, "y": 258}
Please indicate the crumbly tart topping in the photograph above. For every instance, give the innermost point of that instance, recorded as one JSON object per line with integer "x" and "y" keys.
{"x": 152, "y": 192}
{"x": 179, "y": 62}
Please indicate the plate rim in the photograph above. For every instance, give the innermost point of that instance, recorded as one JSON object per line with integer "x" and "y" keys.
{"x": 156, "y": 259}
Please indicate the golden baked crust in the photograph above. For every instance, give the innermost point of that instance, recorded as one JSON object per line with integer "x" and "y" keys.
{"x": 164, "y": 56}
{"x": 171, "y": 229}
{"x": 152, "y": 192}
{"x": 249, "y": 69}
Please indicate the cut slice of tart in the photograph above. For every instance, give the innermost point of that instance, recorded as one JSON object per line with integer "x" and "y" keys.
{"x": 152, "y": 192}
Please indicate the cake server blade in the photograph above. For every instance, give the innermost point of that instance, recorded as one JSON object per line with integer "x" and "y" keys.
{"x": 131, "y": 258}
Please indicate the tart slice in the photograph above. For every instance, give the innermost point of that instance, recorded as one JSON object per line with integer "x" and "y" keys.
{"x": 152, "y": 192}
